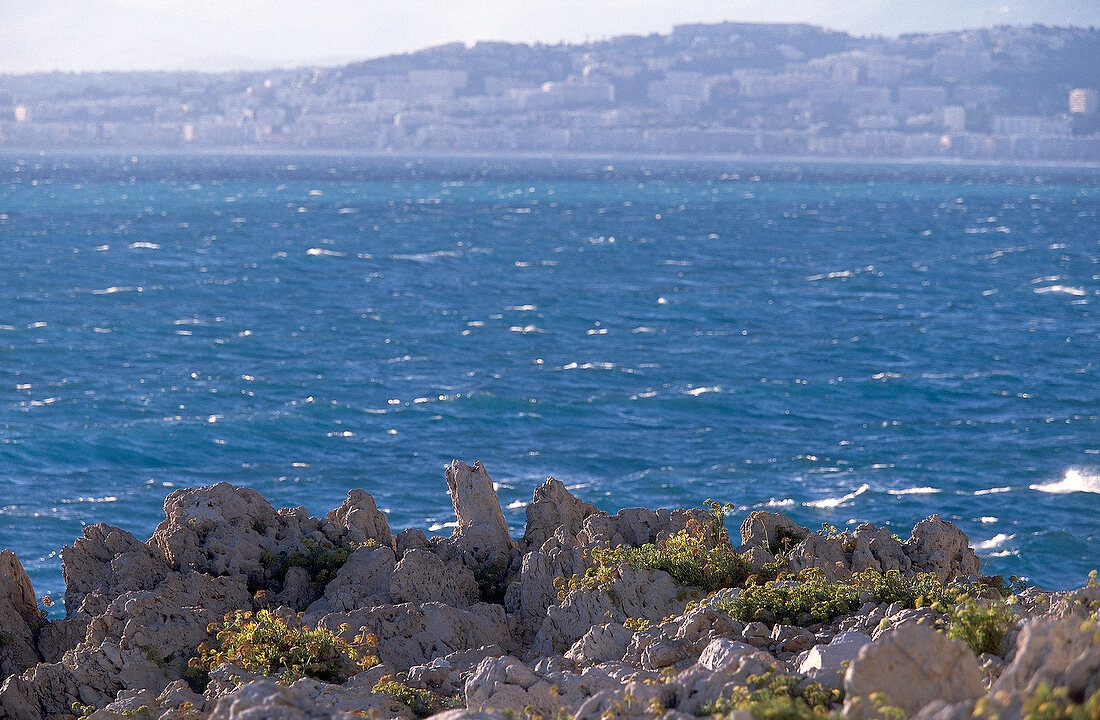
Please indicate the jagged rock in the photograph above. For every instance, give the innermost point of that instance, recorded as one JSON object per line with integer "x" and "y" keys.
{"x": 19, "y": 617}
{"x": 911, "y": 667}
{"x": 59, "y": 636}
{"x": 447, "y": 675}
{"x": 106, "y": 562}
{"x": 533, "y": 592}
{"x": 413, "y": 634}
{"x": 646, "y": 594}
{"x": 1061, "y": 652}
{"x": 362, "y": 582}
{"x": 307, "y": 699}
{"x": 553, "y": 507}
{"x": 1082, "y": 603}
{"x": 823, "y": 552}
{"x": 792, "y": 639}
{"x": 298, "y": 592}
{"x": 771, "y": 531}
{"x": 423, "y": 577}
{"x": 607, "y": 641}
{"x": 413, "y": 538}
{"x": 826, "y": 664}
{"x": 727, "y": 667}
{"x": 357, "y": 520}
{"x": 506, "y": 684}
{"x": 222, "y": 530}
{"x": 636, "y": 526}
{"x": 877, "y": 549}
{"x": 938, "y": 547}
{"x": 481, "y": 537}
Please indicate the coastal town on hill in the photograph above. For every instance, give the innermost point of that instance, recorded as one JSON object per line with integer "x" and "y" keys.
{"x": 1003, "y": 93}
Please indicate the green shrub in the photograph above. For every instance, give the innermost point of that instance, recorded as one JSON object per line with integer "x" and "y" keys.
{"x": 700, "y": 555}
{"x": 420, "y": 701}
{"x": 773, "y": 696}
{"x": 322, "y": 560}
{"x": 807, "y": 600}
{"x": 1047, "y": 704}
{"x": 982, "y": 625}
{"x": 269, "y": 644}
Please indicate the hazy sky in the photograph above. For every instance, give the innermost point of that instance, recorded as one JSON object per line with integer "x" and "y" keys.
{"x": 223, "y": 34}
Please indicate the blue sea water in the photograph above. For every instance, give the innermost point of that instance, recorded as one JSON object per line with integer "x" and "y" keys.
{"x": 843, "y": 343}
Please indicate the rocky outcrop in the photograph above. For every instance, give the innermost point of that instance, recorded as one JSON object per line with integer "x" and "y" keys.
{"x": 19, "y": 617}
{"x": 510, "y": 628}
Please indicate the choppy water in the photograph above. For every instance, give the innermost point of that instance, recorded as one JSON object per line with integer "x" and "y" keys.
{"x": 842, "y": 343}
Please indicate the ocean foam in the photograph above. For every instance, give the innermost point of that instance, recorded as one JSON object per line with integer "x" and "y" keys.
{"x": 1067, "y": 289}
{"x": 993, "y": 491}
{"x": 994, "y": 542}
{"x": 837, "y": 502}
{"x": 916, "y": 491}
{"x": 1075, "y": 480}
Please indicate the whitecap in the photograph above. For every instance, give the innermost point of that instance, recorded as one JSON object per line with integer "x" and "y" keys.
{"x": 643, "y": 329}
{"x": 696, "y": 392}
{"x": 886, "y": 376}
{"x": 987, "y": 520}
{"x": 916, "y": 491}
{"x": 436, "y": 527}
{"x": 324, "y": 252}
{"x": 785, "y": 502}
{"x": 1066, "y": 289}
{"x": 1073, "y": 481}
{"x": 145, "y": 245}
{"x": 837, "y": 502}
{"x": 522, "y": 308}
{"x": 994, "y": 542}
{"x": 993, "y": 491}
{"x": 516, "y": 505}
{"x": 425, "y": 257}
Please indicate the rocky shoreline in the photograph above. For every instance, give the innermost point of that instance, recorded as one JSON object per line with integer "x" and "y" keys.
{"x": 235, "y": 611}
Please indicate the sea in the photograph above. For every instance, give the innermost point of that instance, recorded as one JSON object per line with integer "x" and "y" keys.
{"x": 841, "y": 342}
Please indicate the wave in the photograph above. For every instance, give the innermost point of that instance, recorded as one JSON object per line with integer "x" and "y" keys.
{"x": 837, "y": 502}
{"x": 324, "y": 252}
{"x": 1067, "y": 289}
{"x": 993, "y": 491}
{"x": 1074, "y": 480}
{"x": 994, "y": 542}
{"x": 916, "y": 491}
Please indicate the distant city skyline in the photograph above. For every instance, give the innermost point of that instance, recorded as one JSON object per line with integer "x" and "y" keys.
{"x": 207, "y": 35}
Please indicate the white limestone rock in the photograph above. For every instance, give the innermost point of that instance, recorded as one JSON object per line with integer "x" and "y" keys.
{"x": 911, "y": 667}
{"x": 358, "y": 520}
{"x": 939, "y": 547}
{"x": 362, "y": 582}
{"x": 827, "y": 664}
{"x": 1058, "y": 652}
{"x": 553, "y": 507}
{"x": 422, "y": 576}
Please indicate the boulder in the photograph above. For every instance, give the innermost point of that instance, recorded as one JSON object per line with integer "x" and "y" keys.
{"x": 939, "y": 547}
{"x": 772, "y": 531}
{"x": 603, "y": 642}
{"x": 827, "y": 664}
{"x": 553, "y": 507}
{"x": 1057, "y": 652}
{"x": 506, "y": 684}
{"x": 824, "y": 552}
{"x": 911, "y": 667}
{"x": 357, "y": 520}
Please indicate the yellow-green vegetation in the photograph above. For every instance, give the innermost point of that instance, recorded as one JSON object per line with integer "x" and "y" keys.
{"x": 981, "y": 624}
{"x": 773, "y": 696}
{"x": 322, "y": 560}
{"x": 267, "y": 643}
{"x": 636, "y": 624}
{"x": 420, "y": 701}
{"x": 700, "y": 555}
{"x": 1047, "y": 704}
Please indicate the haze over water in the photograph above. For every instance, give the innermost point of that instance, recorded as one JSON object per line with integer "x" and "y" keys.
{"x": 842, "y": 343}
